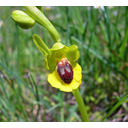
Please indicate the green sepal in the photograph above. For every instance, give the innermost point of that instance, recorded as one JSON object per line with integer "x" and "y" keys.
{"x": 48, "y": 56}
{"x": 73, "y": 53}
{"x": 57, "y": 52}
{"x": 58, "y": 46}
{"x": 40, "y": 44}
{"x": 49, "y": 62}
{"x": 22, "y": 19}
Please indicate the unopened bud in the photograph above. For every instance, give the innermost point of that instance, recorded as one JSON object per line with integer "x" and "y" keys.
{"x": 23, "y": 19}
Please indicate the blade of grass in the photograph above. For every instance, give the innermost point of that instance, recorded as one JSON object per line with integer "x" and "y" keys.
{"x": 4, "y": 90}
{"x": 78, "y": 18}
{"x": 115, "y": 106}
{"x": 67, "y": 30}
{"x": 17, "y": 78}
{"x": 107, "y": 23}
{"x": 54, "y": 107}
{"x": 103, "y": 31}
{"x": 123, "y": 46}
{"x": 37, "y": 96}
{"x": 19, "y": 101}
{"x": 4, "y": 112}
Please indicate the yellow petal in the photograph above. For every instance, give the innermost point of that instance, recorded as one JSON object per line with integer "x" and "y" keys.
{"x": 75, "y": 84}
{"x": 54, "y": 80}
{"x": 77, "y": 71}
{"x": 66, "y": 88}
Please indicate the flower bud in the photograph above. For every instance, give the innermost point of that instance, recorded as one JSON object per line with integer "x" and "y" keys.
{"x": 23, "y": 19}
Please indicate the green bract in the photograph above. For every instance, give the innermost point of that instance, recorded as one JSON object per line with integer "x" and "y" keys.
{"x": 56, "y": 53}
{"x": 23, "y": 19}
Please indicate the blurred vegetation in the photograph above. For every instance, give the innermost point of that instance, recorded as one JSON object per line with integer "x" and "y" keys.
{"x": 101, "y": 34}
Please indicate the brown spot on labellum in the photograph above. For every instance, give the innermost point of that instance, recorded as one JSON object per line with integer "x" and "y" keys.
{"x": 65, "y": 71}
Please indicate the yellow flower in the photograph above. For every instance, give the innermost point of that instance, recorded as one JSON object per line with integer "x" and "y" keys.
{"x": 55, "y": 80}
{"x": 65, "y": 74}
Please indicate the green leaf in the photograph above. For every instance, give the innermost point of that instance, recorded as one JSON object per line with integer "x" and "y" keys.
{"x": 23, "y": 19}
{"x": 123, "y": 46}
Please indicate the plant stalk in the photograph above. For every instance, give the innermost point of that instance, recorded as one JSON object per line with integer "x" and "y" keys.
{"x": 81, "y": 105}
{"x": 40, "y": 18}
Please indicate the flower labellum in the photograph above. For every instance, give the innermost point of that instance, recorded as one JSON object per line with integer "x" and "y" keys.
{"x": 65, "y": 71}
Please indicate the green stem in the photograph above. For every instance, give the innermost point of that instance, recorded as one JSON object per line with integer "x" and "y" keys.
{"x": 40, "y": 8}
{"x": 40, "y": 18}
{"x": 81, "y": 105}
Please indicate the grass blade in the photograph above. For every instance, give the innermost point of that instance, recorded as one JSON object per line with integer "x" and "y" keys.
{"x": 115, "y": 107}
